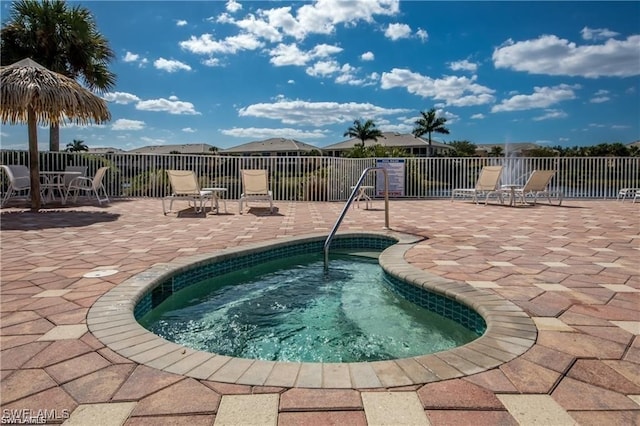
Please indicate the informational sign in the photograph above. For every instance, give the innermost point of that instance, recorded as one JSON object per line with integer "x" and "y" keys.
{"x": 395, "y": 174}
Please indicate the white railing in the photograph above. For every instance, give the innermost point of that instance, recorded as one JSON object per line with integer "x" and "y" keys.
{"x": 330, "y": 178}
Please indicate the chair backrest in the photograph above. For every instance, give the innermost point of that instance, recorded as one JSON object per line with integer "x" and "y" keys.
{"x": 255, "y": 181}
{"x": 18, "y": 176}
{"x": 489, "y": 179}
{"x": 69, "y": 178}
{"x": 183, "y": 182}
{"x": 538, "y": 180}
{"x": 97, "y": 179}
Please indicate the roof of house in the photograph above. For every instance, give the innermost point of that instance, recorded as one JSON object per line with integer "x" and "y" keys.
{"x": 271, "y": 145}
{"x": 390, "y": 139}
{"x": 194, "y": 148}
{"x": 105, "y": 150}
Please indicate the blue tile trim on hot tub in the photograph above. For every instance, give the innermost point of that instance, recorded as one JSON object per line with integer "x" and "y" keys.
{"x": 437, "y": 303}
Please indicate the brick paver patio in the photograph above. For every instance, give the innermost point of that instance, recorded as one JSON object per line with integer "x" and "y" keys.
{"x": 574, "y": 269}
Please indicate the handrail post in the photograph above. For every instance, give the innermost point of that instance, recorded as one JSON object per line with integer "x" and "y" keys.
{"x": 345, "y": 209}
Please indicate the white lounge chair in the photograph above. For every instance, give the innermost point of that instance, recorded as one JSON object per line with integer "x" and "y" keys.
{"x": 89, "y": 185}
{"x": 19, "y": 181}
{"x": 185, "y": 186}
{"x": 538, "y": 186}
{"x": 255, "y": 187}
{"x": 488, "y": 184}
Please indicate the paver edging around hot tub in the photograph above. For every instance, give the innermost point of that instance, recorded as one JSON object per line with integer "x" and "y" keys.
{"x": 510, "y": 332}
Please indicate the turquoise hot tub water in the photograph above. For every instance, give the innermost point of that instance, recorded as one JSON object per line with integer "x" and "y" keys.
{"x": 287, "y": 308}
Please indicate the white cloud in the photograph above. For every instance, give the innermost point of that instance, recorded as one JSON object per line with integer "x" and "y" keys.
{"x": 170, "y": 65}
{"x": 181, "y": 22}
{"x": 422, "y": 35}
{"x": 171, "y": 105}
{"x": 397, "y": 31}
{"x": 320, "y": 17}
{"x": 134, "y": 57}
{"x": 463, "y": 65}
{"x": 290, "y": 54}
{"x": 233, "y": 6}
{"x": 367, "y": 56}
{"x": 454, "y": 91}
{"x": 597, "y": 33}
{"x": 477, "y": 116}
{"x": 551, "y": 114}
{"x": 542, "y": 97}
{"x": 212, "y": 62}
{"x": 121, "y": 98}
{"x": 207, "y": 45}
{"x": 316, "y": 113}
{"x": 291, "y": 81}
{"x": 551, "y": 55}
{"x": 130, "y": 57}
{"x": 323, "y": 68}
{"x": 599, "y": 99}
{"x": 266, "y": 133}
{"x": 188, "y": 130}
{"x": 124, "y": 124}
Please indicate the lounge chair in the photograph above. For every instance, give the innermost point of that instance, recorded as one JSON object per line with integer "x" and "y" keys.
{"x": 538, "y": 186}
{"x": 255, "y": 187}
{"x": 488, "y": 184}
{"x": 19, "y": 181}
{"x": 89, "y": 185}
{"x": 185, "y": 186}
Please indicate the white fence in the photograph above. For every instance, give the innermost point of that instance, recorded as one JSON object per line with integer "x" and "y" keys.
{"x": 330, "y": 178}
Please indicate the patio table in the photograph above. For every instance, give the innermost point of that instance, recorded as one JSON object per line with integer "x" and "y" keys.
{"x": 54, "y": 180}
{"x": 362, "y": 195}
{"x": 217, "y": 192}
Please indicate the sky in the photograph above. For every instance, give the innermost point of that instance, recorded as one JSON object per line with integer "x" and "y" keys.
{"x": 230, "y": 72}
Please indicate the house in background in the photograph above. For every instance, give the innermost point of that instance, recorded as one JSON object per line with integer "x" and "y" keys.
{"x": 191, "y": 148}
{"x": 273, "y": 147}
{"x": 417, "y": 147}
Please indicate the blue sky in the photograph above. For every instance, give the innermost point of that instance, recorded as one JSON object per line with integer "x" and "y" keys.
{"x": 230, "y": 72}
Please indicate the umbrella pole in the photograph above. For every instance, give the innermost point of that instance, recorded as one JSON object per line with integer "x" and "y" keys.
{"x": 34, "y": 166}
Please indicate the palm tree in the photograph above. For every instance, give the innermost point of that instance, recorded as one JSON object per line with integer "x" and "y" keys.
{"x": 77, "y": 146}
{"x": 61, "y": 38}
{"x": 364, "y": 131}
{"x": 428, "y": 124}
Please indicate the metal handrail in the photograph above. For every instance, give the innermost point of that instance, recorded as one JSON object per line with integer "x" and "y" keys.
{"x": 353, "y": 195}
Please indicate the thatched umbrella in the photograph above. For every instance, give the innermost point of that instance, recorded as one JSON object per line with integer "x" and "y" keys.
{"x": 33, "y": 94}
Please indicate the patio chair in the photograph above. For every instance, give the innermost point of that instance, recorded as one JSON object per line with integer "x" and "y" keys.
{"x": 625, "y": 193}
{"x": 488, "y": 184}
{"x": 185, "y": 186}
{"x": 19, "y": 181}
{"x": 255, "y": 187}
{"x": 537, "y": 186}
{"x": 89, "y": 185}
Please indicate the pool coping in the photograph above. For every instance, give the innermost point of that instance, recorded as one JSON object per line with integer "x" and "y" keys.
{"x": 510, "y": 331}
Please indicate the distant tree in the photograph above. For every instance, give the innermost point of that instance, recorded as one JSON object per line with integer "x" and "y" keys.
{"x": 542, "y": 151}
{"x": 463, "y": 149}
{"x": 64, "y": 39}
{"x": 174, "y": 152}
{"x": 608, "y": 150}
{"x": 213, "y": 150}
{"x": 376, "y": 151}
{"x": 364, "y": 131}
{"x": 429, "y": 124}
{"x": 77, "y": 146}
{"x": 496, "y": 151}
